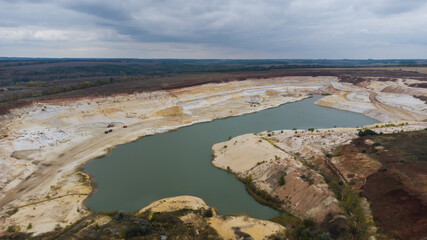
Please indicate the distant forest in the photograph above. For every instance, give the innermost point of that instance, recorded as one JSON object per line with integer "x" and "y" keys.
{"x": 36, "y": 78}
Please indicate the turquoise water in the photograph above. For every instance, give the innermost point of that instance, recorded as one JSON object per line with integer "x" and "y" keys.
{"x": 179, "y": 162}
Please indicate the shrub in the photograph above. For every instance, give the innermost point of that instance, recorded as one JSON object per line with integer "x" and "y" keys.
{"x": 324, "y": 236}
{"x": 13, "y": 211}
{"x": 366, "y": 132}
{"x": 58, "y": 227}
{"x": 134, "y": 231}
{"x": 250, "y": 178}
{"x": 376, "y": 144}
{"x": 11, "y": 229}
{"x": 308, "y": 178}
{"x": 282, "y": 180}
{"x": 308, "y": 223}
{"x": 30, "y": 226}
{"x": 208, "y": 213}
{"x": 120, "y": 216}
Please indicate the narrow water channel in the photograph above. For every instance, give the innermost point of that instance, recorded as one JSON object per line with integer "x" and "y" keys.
{"x": 179, "y": 162}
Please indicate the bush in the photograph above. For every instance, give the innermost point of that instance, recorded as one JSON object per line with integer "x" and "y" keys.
{"x": 58, "y": 227}
{"x": 324, "y": 236}
{"x": 134, "y": 231}
{"x": 282, "y": 180}
{"x": 11, "y": 229}
{"x": 308, "y": 178}
{"x": 30, "y": 226}
{"x": 249, "y": 178}
{"x": 309, "y": 223}
{"x": 13, "y": 211}
{"x": 208, "y": 213}
{"x": 376, "y": 144}
{"x": 367, "y": 132}
{"x": 120, "y": 216}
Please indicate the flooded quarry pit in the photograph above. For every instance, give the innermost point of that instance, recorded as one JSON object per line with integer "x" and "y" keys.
{"x": 179, "y": 162}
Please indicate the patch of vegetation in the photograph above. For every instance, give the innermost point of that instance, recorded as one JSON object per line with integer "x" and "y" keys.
{"x": 262, "y": 196}
{"x": 308, "y": 178}
{"x": 356, "y": 226}
{"x": 13, "y": 211}
{"x": 11, "y": 229}
{"x": 208, "y": 213}
{"x": 282, "y": 180}
{"x": 298, "y": 229}
{"x": 365, "y": 132}
{"x": 135, "y": 230}
{"x": 287, "y": 221}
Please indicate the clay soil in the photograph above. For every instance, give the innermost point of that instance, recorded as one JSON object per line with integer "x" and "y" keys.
{"x": 397, "y": 190}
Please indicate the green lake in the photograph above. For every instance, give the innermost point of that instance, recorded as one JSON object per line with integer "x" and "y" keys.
{"x": 179, "y": 162}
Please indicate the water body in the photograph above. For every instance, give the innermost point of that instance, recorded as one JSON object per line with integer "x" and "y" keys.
{"x": 179, "y": 162}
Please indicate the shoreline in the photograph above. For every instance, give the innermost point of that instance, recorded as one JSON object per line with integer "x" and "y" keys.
{"x": 82, "y": 167}
{"x": 234, "y": 103}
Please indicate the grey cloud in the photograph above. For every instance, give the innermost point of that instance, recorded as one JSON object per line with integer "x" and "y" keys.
{"x": 103, "y": 10}
{"x": 321, "y": 28}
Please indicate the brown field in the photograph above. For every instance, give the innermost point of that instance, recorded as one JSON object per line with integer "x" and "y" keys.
{"x": 76, "y": 85}
{"x": 397, "y": 190}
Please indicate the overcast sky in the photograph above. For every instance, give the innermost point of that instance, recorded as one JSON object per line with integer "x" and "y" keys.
{"x": 214, "y": 28}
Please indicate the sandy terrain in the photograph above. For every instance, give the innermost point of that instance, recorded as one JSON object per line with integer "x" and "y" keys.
{"x": 265, "y": 157}
{"x": 46, "y": 142}
{"x": 384, "y": 101}
{"x": 42, "y": 145}
{"x": 229, "y": 227}
{"x": 257, "y": 158}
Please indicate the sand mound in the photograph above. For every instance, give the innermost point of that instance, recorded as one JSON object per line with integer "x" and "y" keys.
{"x": 172, "y": 111}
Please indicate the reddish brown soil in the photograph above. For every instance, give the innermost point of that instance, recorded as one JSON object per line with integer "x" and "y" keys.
{"x": 397, "y": 191}
{"x": 396, "y": 212}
